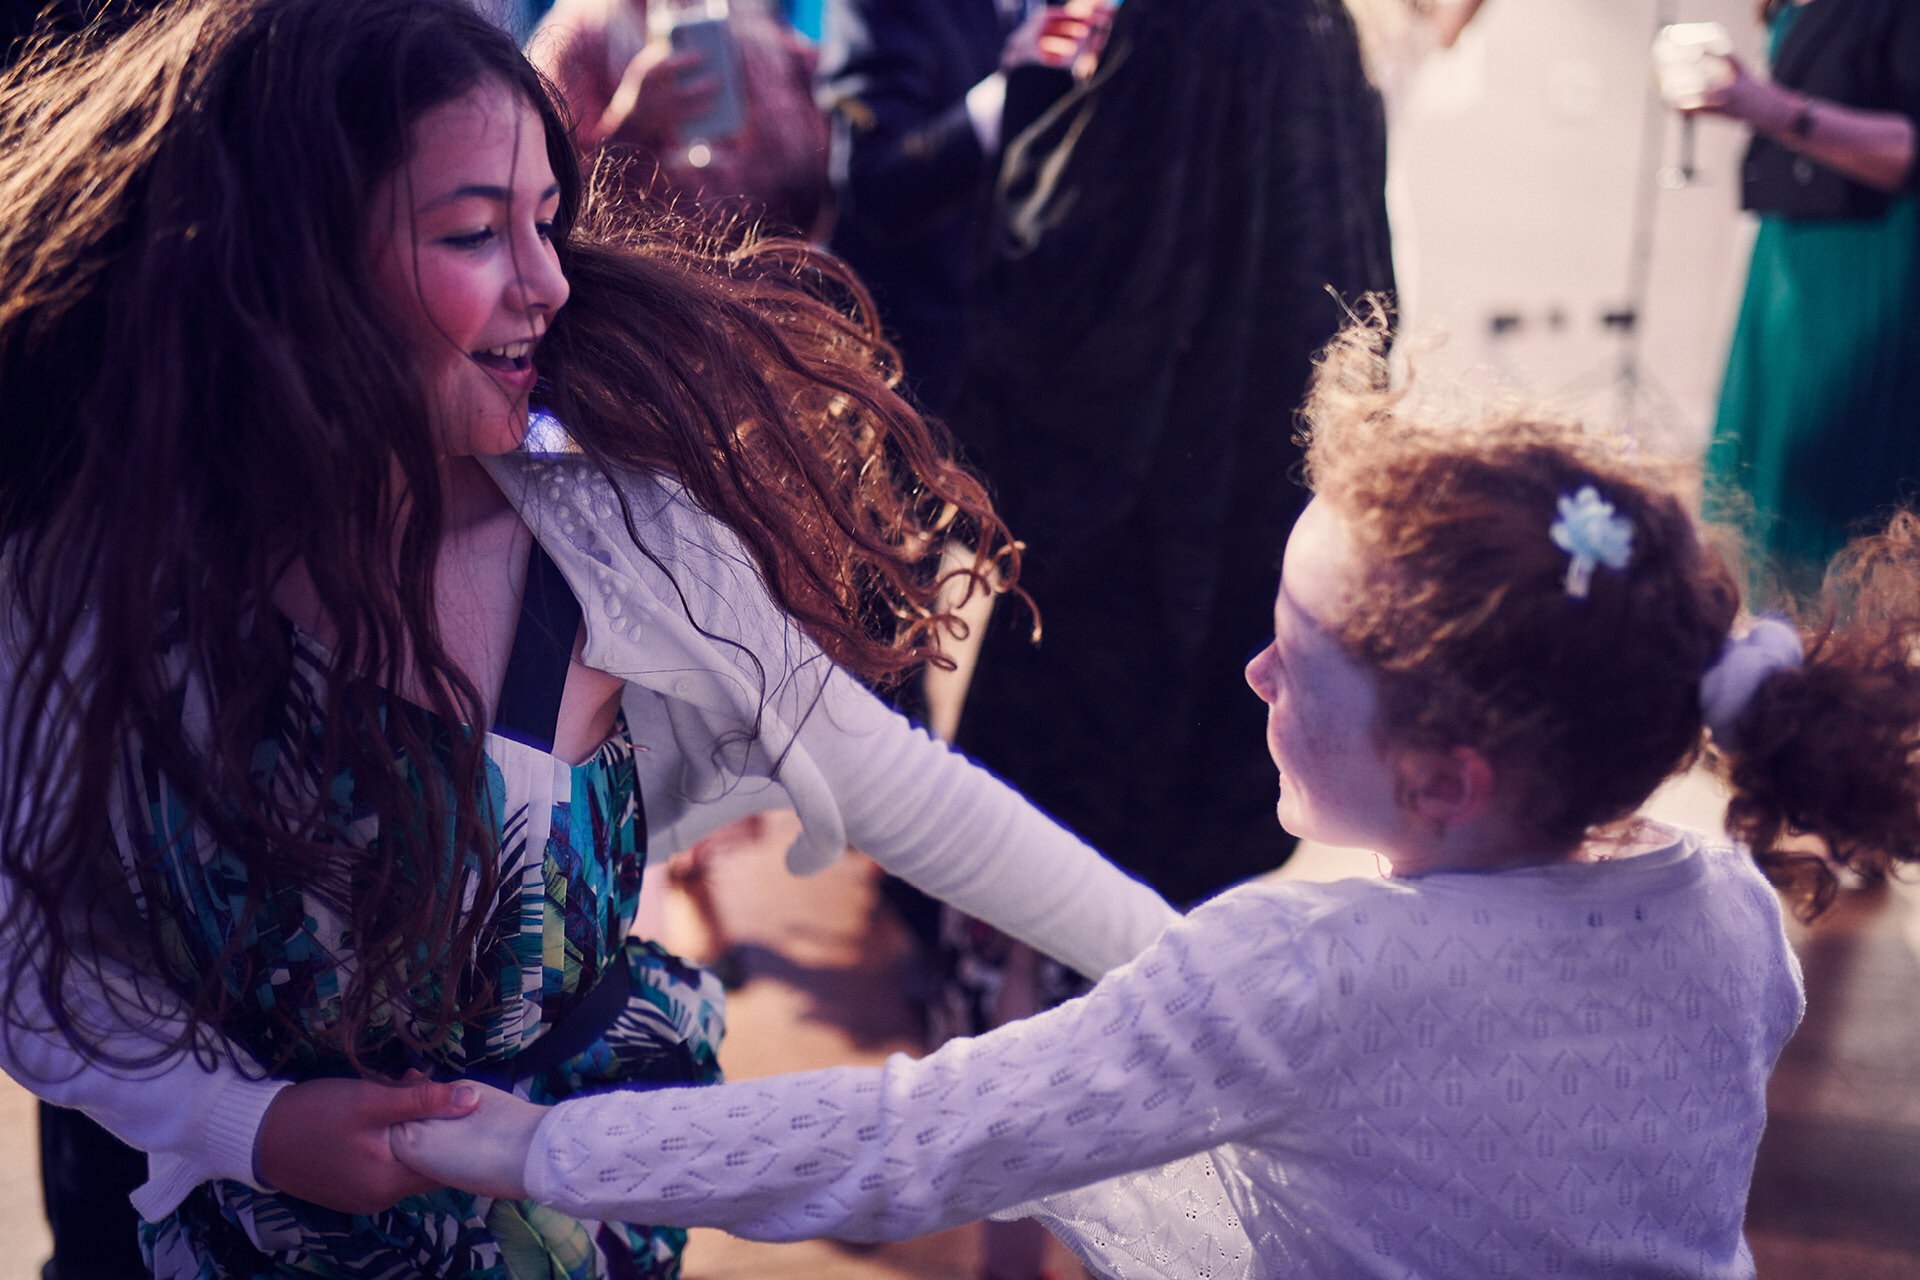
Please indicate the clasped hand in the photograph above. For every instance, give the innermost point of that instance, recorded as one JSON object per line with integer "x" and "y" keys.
{"x": 326, "y": 1141}
{"x": 483, "y": 1151}
{"x": 360, "y": 1146}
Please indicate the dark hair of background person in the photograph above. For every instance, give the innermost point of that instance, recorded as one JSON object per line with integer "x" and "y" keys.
{"x": 201, "y": 388}
{"x": 1587, "y": 705}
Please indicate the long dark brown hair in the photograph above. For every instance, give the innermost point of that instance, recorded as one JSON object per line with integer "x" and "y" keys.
{"x": 201, "y": 390}
{"x": 1588, "y": 704}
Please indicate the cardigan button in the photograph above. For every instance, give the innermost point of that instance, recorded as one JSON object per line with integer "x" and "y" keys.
{"x": 1803, "y": 171}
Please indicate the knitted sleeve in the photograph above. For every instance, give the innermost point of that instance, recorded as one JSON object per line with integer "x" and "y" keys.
{"x": 1207, "y": 1037}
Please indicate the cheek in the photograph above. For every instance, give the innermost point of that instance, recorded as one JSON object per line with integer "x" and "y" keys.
{"x": 447, "y": 313}
{"x": 436, "y": 309}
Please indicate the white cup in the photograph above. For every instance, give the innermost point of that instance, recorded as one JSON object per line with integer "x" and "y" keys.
{"x": 1690, "y": 61}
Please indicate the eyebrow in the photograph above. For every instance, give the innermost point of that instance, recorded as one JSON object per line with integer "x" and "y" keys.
{"x": 1293, "y": 604}
{"x": 484, "y": 191}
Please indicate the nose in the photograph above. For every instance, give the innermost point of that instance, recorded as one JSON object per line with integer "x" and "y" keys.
{"x": 1260, "y": 674}
{"x": 539, "y": 286}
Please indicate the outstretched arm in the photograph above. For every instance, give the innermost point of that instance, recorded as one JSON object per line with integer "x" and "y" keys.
{"x": 741, "y": 696}
{"x": 1174, "y": 1054}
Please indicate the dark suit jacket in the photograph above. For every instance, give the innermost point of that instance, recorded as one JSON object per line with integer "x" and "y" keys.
{"x": 1860, "y": 53}
{"x": 909, "y": 172}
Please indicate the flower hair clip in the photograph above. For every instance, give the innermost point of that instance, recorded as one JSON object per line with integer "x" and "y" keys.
{"x": 1590, "y": 532}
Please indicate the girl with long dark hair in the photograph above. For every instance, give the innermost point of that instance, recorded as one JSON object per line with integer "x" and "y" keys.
{"x": 399, "y": 548}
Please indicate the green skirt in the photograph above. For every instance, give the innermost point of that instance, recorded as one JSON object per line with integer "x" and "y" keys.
{"x": 1818, "y": 436}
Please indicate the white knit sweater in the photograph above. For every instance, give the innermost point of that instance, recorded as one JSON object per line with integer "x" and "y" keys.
{"x": 1557, "y": 1071}
{"x": 736, "y": 711}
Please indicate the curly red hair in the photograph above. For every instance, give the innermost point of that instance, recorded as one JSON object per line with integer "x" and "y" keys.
{"x": 1586, "y": 704}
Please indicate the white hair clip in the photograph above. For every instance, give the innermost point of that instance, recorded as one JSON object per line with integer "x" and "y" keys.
{"x": 1592, "y": 534}
{"x": 1745, "y": 663}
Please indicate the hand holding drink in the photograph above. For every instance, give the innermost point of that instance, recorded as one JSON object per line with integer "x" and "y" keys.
{"x": 1694, "y": 65}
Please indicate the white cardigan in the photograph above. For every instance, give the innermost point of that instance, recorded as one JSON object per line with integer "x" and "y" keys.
{"x": 736, "y": 712}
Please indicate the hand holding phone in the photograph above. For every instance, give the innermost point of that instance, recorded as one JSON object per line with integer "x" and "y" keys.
{"x": 658, "y": 94}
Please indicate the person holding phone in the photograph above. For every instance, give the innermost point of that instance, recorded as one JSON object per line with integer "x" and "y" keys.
{"x": 710, "y": 106}
{"x": 1819, "y": 417}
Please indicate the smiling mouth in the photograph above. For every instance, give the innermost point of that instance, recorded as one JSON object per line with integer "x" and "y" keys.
{"x": 513, "y": 357}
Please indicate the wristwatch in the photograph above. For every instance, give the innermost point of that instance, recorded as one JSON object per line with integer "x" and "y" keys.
{"x": 1802, "y": 125}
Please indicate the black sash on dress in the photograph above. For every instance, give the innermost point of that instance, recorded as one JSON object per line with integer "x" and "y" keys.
{"x": 529, "y": 709}
{"x": 529, "y": 712}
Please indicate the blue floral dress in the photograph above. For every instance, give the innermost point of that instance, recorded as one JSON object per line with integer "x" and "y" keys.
{"x": 571, "y": 849}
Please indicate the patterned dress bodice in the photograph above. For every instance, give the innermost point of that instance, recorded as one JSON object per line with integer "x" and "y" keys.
{"x": 570, "y": 846}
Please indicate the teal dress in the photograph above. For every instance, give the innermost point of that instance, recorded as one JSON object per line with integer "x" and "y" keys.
{"x": 571, "y": 845}
{"x": 1818, "y": 432}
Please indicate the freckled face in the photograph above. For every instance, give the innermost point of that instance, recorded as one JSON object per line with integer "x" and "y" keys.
{"x": 463, "y": 256}
{"x": 1336, "y": 784}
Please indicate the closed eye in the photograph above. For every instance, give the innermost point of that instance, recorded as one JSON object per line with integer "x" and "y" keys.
{"x": 469, "y": 239}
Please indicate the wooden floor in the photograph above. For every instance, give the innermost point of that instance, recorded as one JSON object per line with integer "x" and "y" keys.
{"x": 1836, "y": 1194}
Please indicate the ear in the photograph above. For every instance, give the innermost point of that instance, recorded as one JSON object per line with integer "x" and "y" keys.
{"x": 1445, "y": 789}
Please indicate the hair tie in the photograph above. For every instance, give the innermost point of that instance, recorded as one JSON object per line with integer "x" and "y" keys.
{"x": 1727, "y": 689}
{"x": 1592, "y": 534}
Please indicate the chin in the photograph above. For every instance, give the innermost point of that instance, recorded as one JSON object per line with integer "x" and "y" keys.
{"x": 492, "y": 439}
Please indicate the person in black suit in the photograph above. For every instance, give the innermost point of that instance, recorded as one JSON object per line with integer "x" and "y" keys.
{"x": 922, "y": 93}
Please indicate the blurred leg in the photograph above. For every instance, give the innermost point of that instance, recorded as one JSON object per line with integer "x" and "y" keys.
{"x": 86, "y": 1175}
